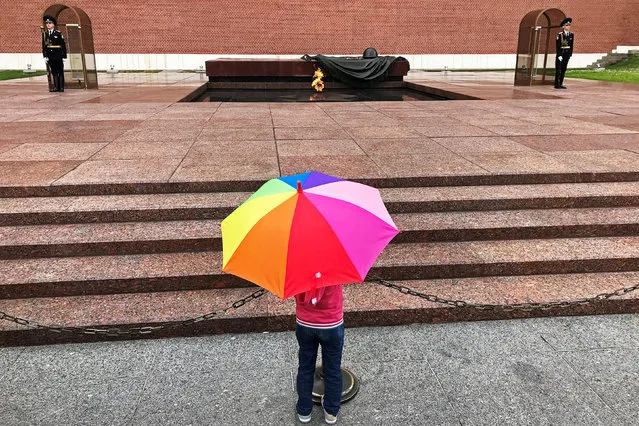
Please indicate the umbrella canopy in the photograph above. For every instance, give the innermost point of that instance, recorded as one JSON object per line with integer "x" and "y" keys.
{"x": 301, "y": 232}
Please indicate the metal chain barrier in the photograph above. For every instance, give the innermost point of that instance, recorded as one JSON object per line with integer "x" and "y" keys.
{"x": 528, "y": 306}
{"x": 504, "y": 307}
{"x": 132, "y": 330}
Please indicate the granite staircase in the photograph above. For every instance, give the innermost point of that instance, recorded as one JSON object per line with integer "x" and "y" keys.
{"x": 136, "y": 255}
{"x": 611, "y": 59}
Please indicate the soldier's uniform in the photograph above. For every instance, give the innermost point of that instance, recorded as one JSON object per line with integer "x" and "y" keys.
{"x": 54, "y": 49}
{"x": 565, "y": 43}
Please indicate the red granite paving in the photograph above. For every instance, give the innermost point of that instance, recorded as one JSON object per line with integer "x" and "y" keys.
{"x": 159, "y": 134}
{"x": 460, "y": 145}
{"x": 22, "y": 132}
{"x": 131, "y": 111}
{"x": 205, "y": 151}
{"x": 219, "y": 168}
{"x": 572, "y": 142}
{"x": 433, "y": 129}
{"x": 287, "y": 148}
{"x": 377, "y": 146}
{"x": 5, "y": 146}
{"x": 520, "y": 162}
{"x": 52, "y": 151}
{"x": 236, "y": 134}
{"x": 601, "y": 160}
{"x": 239, "y": 123}
{"x": 33, "y": 173}
{"x": 121, "y": 171}
{"x": 369, "y": 132}
{"x": 13, "y": 114}
{"x": 121, "y": 150}
{"x": 348, "y": 167}
{"x": 289, "y": 133}
{"x": 426, "y": 164}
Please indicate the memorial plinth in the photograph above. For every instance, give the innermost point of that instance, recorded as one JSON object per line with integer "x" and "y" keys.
{"x": 280, "y": 73}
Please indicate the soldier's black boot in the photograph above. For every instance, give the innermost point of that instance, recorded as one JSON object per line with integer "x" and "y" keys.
{"x": 561, "y": 83}
{"x": 61, "y": 83}
{"x": 56, "y": 82}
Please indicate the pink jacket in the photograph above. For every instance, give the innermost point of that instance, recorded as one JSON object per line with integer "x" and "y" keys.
{"x": 326, "y": 311}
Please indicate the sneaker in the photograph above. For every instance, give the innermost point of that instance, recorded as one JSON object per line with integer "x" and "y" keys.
{"x": 328, "y": 418}
{"x": 304, "y": 419}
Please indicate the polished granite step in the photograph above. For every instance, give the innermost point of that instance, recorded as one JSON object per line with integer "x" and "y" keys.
{"x": 69, "y": 276}
{"x": 118, "y": 208}
{"x": 516, "y": 224}
{"x": 56, "y": 189}
{"x": 95, "y": 239}
{"x": 367, "y": 304}
{"x": 217, "y": 205}
{"x": 118, "y": 238}
{"x": 507, "y": 257}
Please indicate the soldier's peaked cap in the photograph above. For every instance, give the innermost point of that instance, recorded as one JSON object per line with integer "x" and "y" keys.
{"x": 566, "y": 21}
{"x": 49, "y": 18}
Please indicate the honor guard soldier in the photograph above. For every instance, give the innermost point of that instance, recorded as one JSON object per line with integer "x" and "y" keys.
{"x": 54, "y": 50}
{"x": 565, "y": 43}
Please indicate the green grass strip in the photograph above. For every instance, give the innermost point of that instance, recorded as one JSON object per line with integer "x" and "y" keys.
{"x": 12, "y": 74}
{"x": 626, "y": 71}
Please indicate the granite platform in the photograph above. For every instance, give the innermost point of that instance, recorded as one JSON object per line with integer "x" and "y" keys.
{"x": 110, "y": 200}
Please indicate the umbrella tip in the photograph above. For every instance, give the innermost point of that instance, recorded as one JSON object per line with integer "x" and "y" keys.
{"x": 299, "y": 186}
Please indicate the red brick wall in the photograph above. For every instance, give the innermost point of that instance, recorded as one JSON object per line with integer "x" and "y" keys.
{"x": 329, "y": 27}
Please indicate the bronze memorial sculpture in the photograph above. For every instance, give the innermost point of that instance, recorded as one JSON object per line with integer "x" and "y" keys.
{"x": 362, "y": 72}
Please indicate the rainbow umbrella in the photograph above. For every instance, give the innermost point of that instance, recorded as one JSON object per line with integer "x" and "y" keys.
{"x": 302, "y": 232}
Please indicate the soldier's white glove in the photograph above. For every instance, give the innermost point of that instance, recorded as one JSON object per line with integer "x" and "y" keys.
{"x": 64, "y": 59}
{"x": 46, "y": 60}
{"x": 560, "y": 59}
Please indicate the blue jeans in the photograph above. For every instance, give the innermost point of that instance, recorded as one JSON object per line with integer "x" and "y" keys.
{"x": 332, "y": 341}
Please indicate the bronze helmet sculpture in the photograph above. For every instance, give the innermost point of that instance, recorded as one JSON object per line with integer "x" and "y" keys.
{"x": 369, "y": 53}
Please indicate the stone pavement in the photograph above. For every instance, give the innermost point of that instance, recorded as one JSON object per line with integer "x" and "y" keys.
{"x": 543, "y": 371}
{"x": 132, "y": 130}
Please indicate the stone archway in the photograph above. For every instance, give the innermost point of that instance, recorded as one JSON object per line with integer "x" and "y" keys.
{"x": 534, "y": 45}
{"x": 80, "y": 72}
